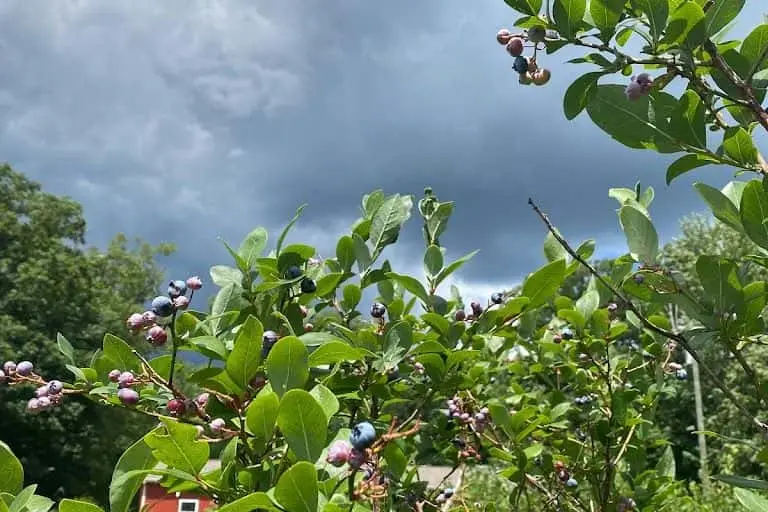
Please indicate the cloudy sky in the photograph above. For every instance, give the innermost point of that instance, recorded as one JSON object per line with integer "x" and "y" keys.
{"x": 186, "y": 120}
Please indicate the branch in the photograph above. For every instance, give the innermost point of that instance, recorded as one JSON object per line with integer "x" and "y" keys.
{"x": 628, "y": 304}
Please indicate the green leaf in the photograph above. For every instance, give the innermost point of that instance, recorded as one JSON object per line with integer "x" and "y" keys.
{"x": 345, "y": 253}
{"x": 720, "y": 280}
{"x": 553, "y": 251}
{"x": 628, "y": 121}
{"x": 531, "y": 7}
{"x": 334, "y": 352}
{"x": 453, "y": 267}
{"x": 287, "y": 365}
{"x": 578, "y": 94}
{"x": 326, "y": 399}
{"x": 399, "y": 335}
{"x": 297, "y": 488}
{"x": 138, "y": 456}
{"x": 243, "y": 363}
{"x": 38, "y": 503}
{"x": 687, "y": 163}
{"x": 754, "y": 213}
{"x": 227, "y": 299}
{"x": 288, "y": 227}
{"x": 411, "y": 284}
{"x": 210, "y": 346}
{"x": 223, "y": 275}
{"x": 687, "y": 26}
{"x": 738, "y": 481}
{"x": 327, "y": 284}
{"x": 65, "y": 347}
{"x": 588, "y": 304}
{"x": 754, "y": 48}
{"x": 721, "y": 13}
{"x": 254, "y": 501}
{"x": 657, "y": 12}
{"x": 352, "y": 295}
{"x": 388, "y": 219}
{"x": 605, "y": 14}
{"x": 261, "y": 415}
{"x": 252, "y": 246}
{"x": 303, "y": 423}
{"x": 20, "y": 502}
{"x": 362, "y": 253}
{"x": 543, "y": 283}
{"x": 120, "y": 353}
{"x": 751, "y": 501}
{"x": 687, "y": 122}
{"x": 738, "y": 145}
{"x": 11, "y": 471}
{"x": 78, "y": 506}
{"x": 179, "y": 448}
{"x": 568, "y": 15}
{"x": 722, "y": 208}
{"x": 666, "y": 465}
{"x": 641, "y": 236}
{"x": 433, "y": 260}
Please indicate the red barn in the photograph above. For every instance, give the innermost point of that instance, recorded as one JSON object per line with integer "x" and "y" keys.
{"x": 154, "y": 498}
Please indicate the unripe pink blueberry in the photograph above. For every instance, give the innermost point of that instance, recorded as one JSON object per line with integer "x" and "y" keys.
{"x": 460, "y": 315}
{"x": 202, "y": 399}
{"x": 503, "y": 36}
{"x": 194, "y": 283}
{"x": 55, "y": 387}
{"x": 24, "y": 368}
{"x": 114, "y": 375}
{"x": 515, "y": 46}
{"x": 176, "y": 407}
{"x": 44, "y": 402}
{"x": 128, "y": 396}
{"x": 125, "y": 379}
{"x": 157, "y": 335}
{"x": 135, "y": 322}
{"x": 149, "y": 317}
{"x": 41, "y": 391}
{"x": 339, "y": 453}
{"x": 33, "y": 405}
{"x": 484, "y": 411}
{"x": 217, "y": 425}
{"x": 181, "y": 302}
{"x": 9, "y": 367}
{"x": 633, "y": 91}
{"x": 356, "y": 458}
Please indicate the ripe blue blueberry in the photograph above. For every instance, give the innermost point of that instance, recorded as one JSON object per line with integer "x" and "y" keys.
{"x": 520, "y": 65}
{"x": 497, "y": 298}
{"x": 460, "y": 315}
{"x": 567, "y": 334}
{"x": 55, "y": 387}
{"x": 571, "y": 482}
{"x": 162, "y": 306}
{"x": 363, "y": 435}
{"x": 268, "y": 341}
{"x": 378, "y": 310}
{"x": 448, "y": 492}
{"x": 308, "y": 286}
{"x": 177, "y": 288}
{"x": 293, "y": 272}
{"x": 24, "y": 368}
{"x": 681, "y": 374}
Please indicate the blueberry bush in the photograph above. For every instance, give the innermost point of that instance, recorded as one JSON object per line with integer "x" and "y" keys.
{"x": 318, "y": 401}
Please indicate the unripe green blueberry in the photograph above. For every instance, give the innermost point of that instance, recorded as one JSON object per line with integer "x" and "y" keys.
{"x": 541, "y": 76}
{"x": 537, "y": 34}
{"x": 515, "y": 46}
{"x": 525, "y": 79}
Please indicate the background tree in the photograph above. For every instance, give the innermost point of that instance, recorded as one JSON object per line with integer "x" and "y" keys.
{"x": 50, "y": 283}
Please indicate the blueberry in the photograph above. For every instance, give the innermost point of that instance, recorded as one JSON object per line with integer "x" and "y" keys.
{"x": 571, "y": 482}
{"x": 448, "y": 492}
{"x": 176, "y": 407}
{"x": 460, "y": 315}
{"x": 125, "y": 379}
{"x": 162, "y": 306}
{"x": 497, "y": 298}
{"x": 128, "y": 396}
{"x": 176, "y": 289}
{"x": 44, "y": 402}
{"x": 269, "y": 338}
{"x": 157, "y": 336}
{"x": 217, "y": 425}
{"x": 613, "y": 307}
{"x": 9, "y": 367}
{"x": 378, "y": 310}
{"x": 41, "y": 391}
{"x": 477, "y": 309}
{"x": 520, "y": 65}
{"x": 567, "y": 334}
{"x": 194, "y": 283}
{"x": 638, "y": 278}
{"x": 114, "y": 375}
{"x": 33, "y": 405}
{"x": 293, "y": 272}
{"x": 55, "y": 387}
{"x": 308, "y": 286}
{"x": 363, "y": 435}
{"x": 681, "y": 374}
{"x": 24, "y": 368}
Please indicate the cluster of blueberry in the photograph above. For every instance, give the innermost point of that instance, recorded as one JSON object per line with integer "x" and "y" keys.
{"x": 460, "y": 411}
{"x": 477, "y": 309}
{"x": 565, "y": 334}
{"x": 353, "y": 451}
{"x": 584, "y": 399}
{"x": 526, "y": 67}
{"x": 306, "y": 285}
{"x": 163, "y": 306}
{"x": 47, "y": 395}
{"x": 564, "y": 475}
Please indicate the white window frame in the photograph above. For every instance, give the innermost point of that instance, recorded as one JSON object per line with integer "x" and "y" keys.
{"x": 187, "y": 502}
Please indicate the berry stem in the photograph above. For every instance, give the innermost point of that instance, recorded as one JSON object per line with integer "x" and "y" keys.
{"x": 174, "y": 349}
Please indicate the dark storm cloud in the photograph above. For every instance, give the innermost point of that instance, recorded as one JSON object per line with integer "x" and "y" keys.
{"x": 185, "y": 121}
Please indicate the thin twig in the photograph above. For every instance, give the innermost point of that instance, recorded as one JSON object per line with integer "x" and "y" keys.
{"x": 628, "y": 304}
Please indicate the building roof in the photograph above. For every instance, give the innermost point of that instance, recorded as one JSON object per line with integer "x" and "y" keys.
{"x": 211, "y": 465}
